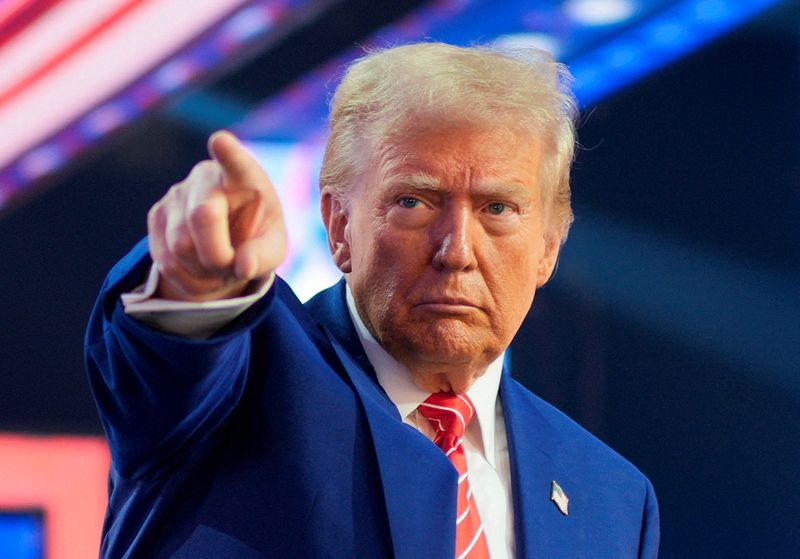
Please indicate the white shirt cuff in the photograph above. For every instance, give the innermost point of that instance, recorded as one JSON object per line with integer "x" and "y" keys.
{"x": 188, "y": 318}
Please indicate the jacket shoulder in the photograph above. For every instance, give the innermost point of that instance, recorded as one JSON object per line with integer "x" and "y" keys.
{"x": 562, "y": 435}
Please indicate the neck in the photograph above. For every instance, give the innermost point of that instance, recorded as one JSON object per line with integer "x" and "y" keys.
{"x": 441, "y": 377}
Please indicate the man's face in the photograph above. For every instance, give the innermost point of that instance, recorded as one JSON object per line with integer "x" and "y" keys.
{"x": 444, "y": 246}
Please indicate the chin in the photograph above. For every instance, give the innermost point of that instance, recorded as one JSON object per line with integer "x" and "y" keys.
{"x": 443, "y": 344}
{"x": 450, "y": 337}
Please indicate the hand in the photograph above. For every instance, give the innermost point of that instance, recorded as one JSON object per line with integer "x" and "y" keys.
{"x": 219, "y": 228}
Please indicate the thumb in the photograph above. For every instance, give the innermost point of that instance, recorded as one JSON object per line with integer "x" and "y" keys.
{"x": 239, "y": 168}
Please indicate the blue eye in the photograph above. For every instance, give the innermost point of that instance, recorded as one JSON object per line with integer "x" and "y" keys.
{"x": 496, "y": 208}
{"x": 409, "y": 202}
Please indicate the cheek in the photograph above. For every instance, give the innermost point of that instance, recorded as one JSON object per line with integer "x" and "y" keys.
{"x": 513, "y": 276}
{"x": 377, "y": 262}
{"x": 516, "y": 255}
{"x": 397, "y": 251}
{"x": 361, "y": 236}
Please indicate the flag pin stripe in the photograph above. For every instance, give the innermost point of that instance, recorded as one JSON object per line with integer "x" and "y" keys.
{"x": 560, "y": 498}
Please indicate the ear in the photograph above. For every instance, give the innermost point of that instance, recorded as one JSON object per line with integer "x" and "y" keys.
{"x": 552, "y": 246}
{"x": 335, "y": 218}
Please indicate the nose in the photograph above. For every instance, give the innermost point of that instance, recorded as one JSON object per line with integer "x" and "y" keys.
{"x": 453, "y": 234}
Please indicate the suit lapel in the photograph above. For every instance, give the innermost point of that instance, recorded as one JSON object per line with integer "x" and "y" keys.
{"x": 532, "y": 444}
{"x": 413, "y": 471}
{"x": 329, "y": 307}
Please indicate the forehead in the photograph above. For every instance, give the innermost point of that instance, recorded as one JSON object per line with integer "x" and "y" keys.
{"x": 453, "y": 153}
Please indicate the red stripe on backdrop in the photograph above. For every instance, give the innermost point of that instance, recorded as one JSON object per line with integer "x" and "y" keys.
{"x": 69, "y": 50}
{"x": 16, "y": 16}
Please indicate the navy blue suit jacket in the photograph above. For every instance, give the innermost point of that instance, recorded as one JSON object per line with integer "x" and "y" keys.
{"x": 272, "y": 439}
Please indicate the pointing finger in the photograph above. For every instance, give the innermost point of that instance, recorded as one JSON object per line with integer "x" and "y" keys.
{"x": 239, "y": 168}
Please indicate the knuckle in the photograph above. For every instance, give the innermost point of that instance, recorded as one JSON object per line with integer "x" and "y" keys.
{"x": 175, "y": 189}
{"x": 174, "y": 195}
{"x": 179, "y": 242}
{"x": 205, "y": 214}
{"x": 203, "y": 166}
{"x": 204, "y": 171}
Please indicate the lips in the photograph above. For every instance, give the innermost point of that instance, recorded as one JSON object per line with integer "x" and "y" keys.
{"x": 447, "y": 305}
{"x": 455, "y": 301}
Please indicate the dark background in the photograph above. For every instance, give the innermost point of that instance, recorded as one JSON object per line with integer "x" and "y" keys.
{"x": 671, "y": 329}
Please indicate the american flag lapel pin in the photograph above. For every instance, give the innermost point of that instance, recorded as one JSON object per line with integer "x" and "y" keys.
{"x": 560, "y": 498}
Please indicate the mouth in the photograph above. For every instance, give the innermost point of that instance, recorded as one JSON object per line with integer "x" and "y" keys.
{"x": 448, "y": 305}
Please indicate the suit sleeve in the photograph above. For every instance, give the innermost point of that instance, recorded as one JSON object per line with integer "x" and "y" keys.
{"x": 158, "y": 393}
{"x": 650, "y": 537}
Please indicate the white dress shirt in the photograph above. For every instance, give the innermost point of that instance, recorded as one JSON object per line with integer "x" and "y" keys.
{"x": 485, "y": 440}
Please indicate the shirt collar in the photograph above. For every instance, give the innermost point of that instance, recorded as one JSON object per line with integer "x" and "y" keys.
{"x": 397, "y": 382}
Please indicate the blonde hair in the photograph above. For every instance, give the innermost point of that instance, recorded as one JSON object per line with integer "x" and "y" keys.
{"x": 386, "y": 91}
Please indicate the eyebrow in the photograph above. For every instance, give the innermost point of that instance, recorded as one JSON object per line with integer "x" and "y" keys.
{"x": 417, "y": 181}
{"x": 507, "y": 187}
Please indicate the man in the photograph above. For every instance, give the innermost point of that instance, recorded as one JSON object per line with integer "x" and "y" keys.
{"x": 244, "y": 424}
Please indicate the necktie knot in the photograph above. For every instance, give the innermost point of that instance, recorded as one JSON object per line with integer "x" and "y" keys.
{"x": 448, "y": 413}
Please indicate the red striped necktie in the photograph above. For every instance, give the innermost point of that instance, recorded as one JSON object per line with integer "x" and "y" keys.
{"x": 449, "y": 415}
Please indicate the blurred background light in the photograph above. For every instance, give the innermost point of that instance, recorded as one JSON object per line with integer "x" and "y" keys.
{"x": 599, "y": 12}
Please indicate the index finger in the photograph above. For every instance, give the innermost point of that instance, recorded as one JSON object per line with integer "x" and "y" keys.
{"x": 239, "y": 168}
